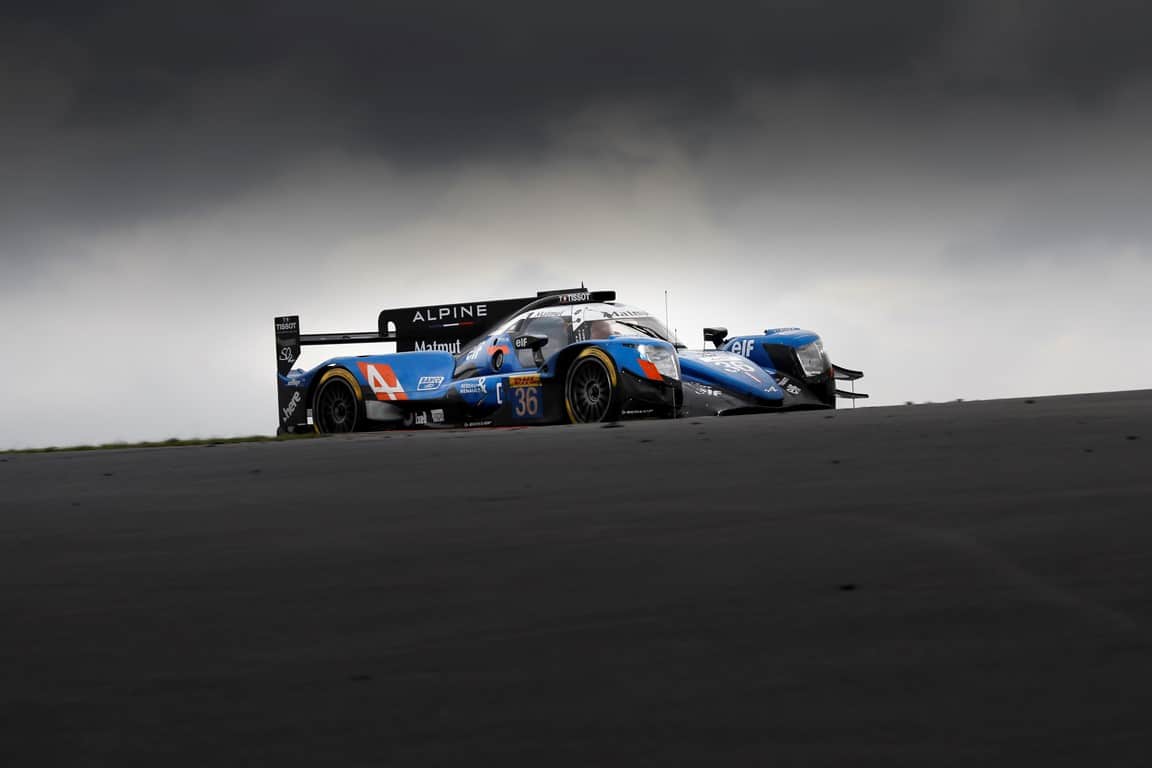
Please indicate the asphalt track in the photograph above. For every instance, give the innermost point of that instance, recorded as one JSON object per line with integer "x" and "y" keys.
{"x": 957, "y": 584}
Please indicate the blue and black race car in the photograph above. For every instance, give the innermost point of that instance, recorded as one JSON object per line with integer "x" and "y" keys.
{"x": 559, "y": 357}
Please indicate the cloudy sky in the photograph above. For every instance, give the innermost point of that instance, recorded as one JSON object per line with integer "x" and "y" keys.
{"x": 957, "y": 196}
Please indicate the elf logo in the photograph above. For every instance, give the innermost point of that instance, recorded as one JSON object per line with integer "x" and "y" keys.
{"x": 383, "y": 382}
{"x": 743, "y": 347}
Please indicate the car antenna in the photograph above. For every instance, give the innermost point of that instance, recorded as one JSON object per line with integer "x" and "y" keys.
{"x": 668, "y": 328}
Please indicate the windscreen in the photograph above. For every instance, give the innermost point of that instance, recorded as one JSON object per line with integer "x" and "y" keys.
{"x": 601, "y": 321}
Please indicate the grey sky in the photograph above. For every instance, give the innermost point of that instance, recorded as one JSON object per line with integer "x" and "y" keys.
{"x": 955, "y": 195}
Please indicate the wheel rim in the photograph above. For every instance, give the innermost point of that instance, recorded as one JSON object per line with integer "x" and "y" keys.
{"x": 335, "y": 409}
{"x": 590, "y": 391}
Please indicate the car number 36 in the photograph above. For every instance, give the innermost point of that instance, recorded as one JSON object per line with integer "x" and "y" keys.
{"x": 527, "y": 402}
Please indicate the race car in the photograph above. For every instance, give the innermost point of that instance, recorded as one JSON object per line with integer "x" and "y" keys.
{"x": 567, "y": 356}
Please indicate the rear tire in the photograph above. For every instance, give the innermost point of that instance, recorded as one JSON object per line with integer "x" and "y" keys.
{"x": 336, "y": 406}
{"x": 590, "y": 388}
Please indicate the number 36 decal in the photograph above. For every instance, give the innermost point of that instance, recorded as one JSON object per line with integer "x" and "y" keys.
{"x": 527, "y": 402}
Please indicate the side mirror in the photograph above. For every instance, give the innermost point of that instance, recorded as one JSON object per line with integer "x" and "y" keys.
{"x": 716, "y": 336}
{"x": 534, "y": 343}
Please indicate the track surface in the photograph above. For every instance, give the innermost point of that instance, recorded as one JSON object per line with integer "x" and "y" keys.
{"x": 959, "y": 584}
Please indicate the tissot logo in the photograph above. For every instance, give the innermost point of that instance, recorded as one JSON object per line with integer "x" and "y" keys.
{"x": 450, "y": 312}
{"x": 289, "y": 325}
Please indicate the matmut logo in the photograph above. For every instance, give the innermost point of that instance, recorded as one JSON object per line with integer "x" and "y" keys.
{"x": 382, "y": 379}
{"x": 451, "y": 312}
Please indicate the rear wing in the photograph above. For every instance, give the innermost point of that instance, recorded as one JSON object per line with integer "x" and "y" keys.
{"x": 441, "y": 327}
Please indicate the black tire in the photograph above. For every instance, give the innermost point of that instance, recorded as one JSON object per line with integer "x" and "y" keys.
{"x": 590, "y": 388}
{"x": 336, "y": 407}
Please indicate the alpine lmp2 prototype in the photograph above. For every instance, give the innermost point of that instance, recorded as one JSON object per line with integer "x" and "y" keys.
{"x": 558, "y": 357}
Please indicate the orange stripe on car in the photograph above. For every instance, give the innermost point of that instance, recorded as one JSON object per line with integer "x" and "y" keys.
{"x": 650, "y": 370}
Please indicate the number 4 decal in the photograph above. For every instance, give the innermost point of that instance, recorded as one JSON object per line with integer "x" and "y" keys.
{"x": 382, "y": 379}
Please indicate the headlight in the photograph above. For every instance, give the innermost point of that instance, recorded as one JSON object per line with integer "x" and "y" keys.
{"x": 812, "y": 358}
{"x": 664, "y": 358}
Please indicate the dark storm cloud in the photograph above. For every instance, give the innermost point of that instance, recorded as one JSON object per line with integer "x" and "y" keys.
{"x": 456, "y": 74}
{"x": 114, "y": 113}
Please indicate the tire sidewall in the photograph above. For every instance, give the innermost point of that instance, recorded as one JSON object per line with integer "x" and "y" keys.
{"x": 605, "y": 360}
{"x": 342, "y": 377}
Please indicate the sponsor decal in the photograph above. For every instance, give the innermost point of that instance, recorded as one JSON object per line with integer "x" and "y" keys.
{"x": 437, "y": 346}
{"x": 546, "y": 312}
{"x": 429, "y": 382}
{"x": 485, "y": 423}
{"x": 574, "y": 298}
{"x": 420, "y": 419}
{"x": 437, "y": 415}
{"x": 473, "y": 354}
{"x": 292, "y": 326}
{"x": 461, "y": 313}
{"x": 707, "y": 391}
{"x": 743, "y": 347}
{"x": 383, "y": 382}
{"x": 792, "y": 389}
{"x": 290, "y": 409}
{"x": 473, "y": 387}
{"x": 526, "y": 380}
{"x": 521, "y": 342}
{"x": 286, "y": 354}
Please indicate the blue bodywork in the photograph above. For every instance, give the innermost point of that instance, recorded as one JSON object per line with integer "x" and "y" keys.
{"x": 424, "y": 388}
{"x": 779, "y": 369}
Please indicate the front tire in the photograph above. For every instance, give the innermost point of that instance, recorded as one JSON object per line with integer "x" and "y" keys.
{"x": 336, "y": 406}
{"x": 590, "y": 388}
